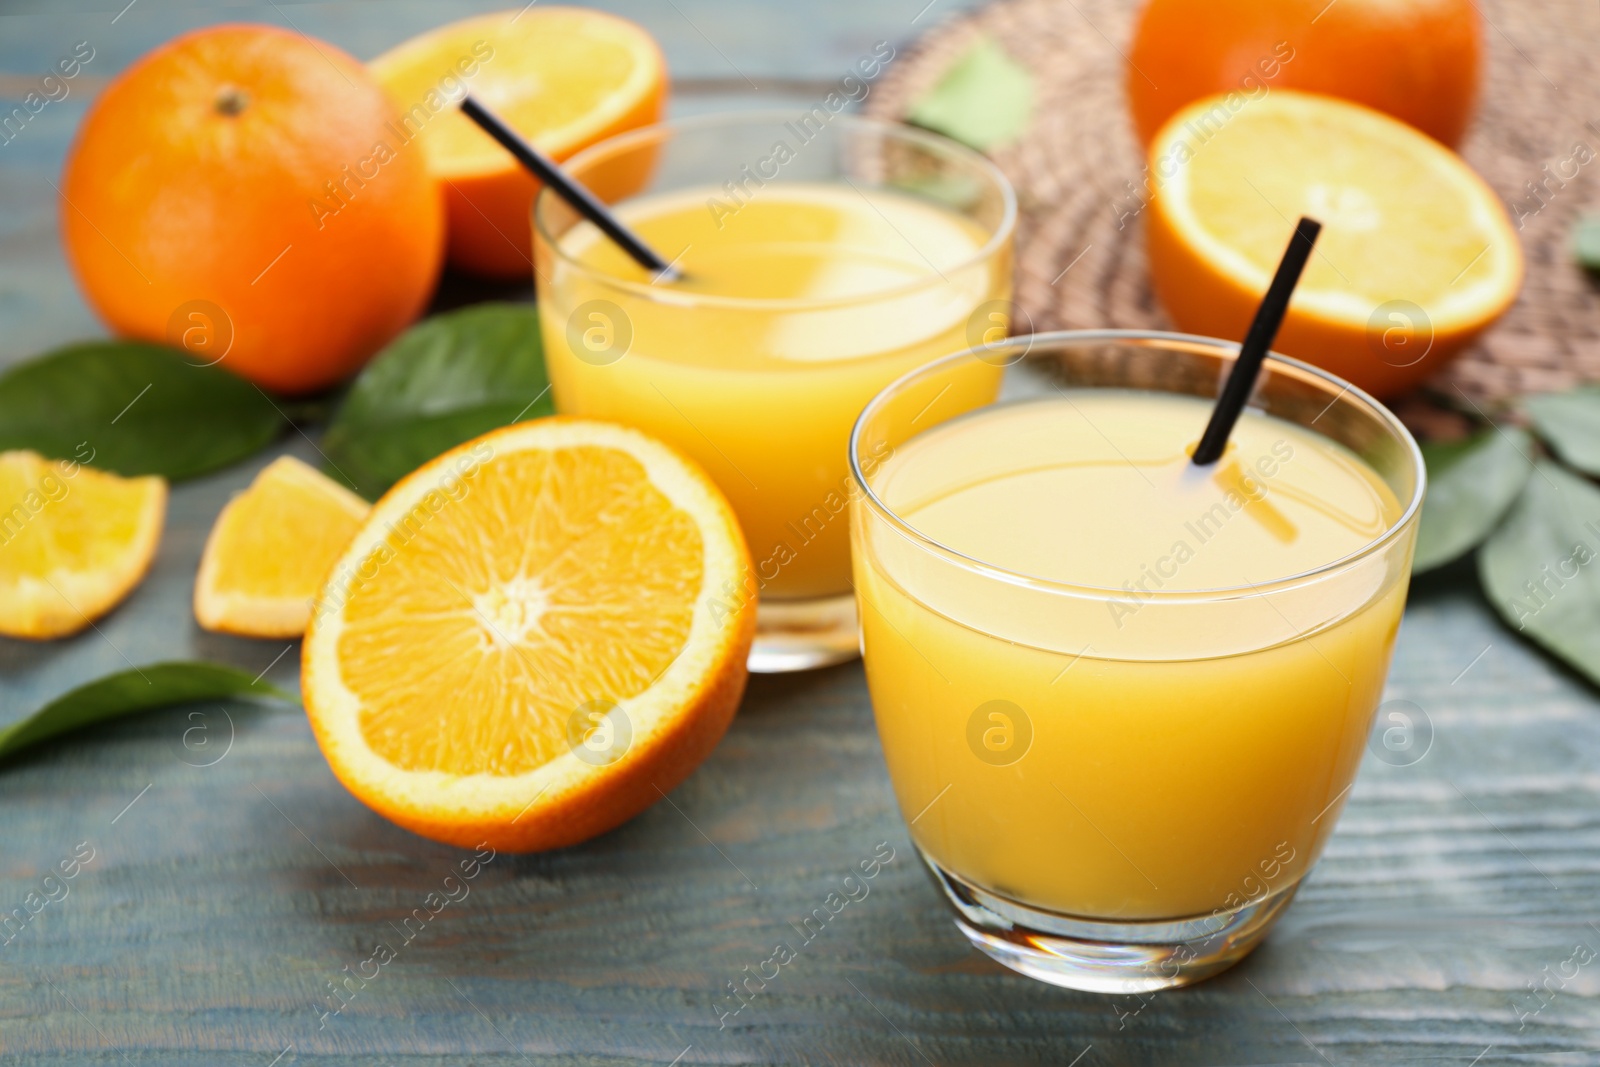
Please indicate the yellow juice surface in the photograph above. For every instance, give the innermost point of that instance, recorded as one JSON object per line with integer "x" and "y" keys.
{"x": 798, "y": 306}
{"x": 1119, "y": 755}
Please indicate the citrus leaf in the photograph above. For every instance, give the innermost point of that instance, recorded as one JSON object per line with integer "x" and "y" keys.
{"x": 1586, "y": 242}
{"x": 984, "y": 100}
{"x": 1541, "y": 568}
{"x": 1570, "y": 424}
{"x": 133, "y": 408}
{"x": 1471, "y": 483}
{"x": 159, "y": 685}
{"x": 445, "y": 381}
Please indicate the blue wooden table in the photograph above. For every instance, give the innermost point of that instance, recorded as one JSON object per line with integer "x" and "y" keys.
{"x": 221, "y": 891}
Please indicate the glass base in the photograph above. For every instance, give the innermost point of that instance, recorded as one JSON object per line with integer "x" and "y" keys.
{"x": 799, "y": 635}
{"x": 1098, "y": 956}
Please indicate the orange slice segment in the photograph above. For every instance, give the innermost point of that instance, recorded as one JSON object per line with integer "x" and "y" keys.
{"x": 532, "y": 638}
{"x": 73, "y": 542}
{"x": 271, "y": 548}
{"x": 1416, "y": 256}
{"x": 563, "y": 77}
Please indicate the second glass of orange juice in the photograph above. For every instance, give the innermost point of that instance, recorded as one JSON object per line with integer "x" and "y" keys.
{"x": 822, "y": 256}
{"x": 1122, "y": 698}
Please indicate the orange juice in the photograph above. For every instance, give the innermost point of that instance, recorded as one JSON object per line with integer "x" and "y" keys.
{"x": 1072, "y": 717}
{"x": 798, "y": 304}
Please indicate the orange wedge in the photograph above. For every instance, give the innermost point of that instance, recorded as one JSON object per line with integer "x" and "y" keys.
{"x": 1416, "y": 257}
{"x": 73, "y": 542}
{"x": 563, "y": 77}
{"x": 533, "y": 638}
{"x": 270, "y": 550}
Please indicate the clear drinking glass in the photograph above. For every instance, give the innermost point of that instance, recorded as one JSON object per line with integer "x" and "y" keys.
{"x": 762, "y": 390}
{"x": 1118, "y": 788}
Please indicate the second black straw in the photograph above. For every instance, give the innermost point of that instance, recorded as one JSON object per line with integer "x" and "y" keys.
{"x": 1257, "y": 343}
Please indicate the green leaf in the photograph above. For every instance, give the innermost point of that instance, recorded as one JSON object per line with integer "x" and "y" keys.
{"x": 445, "y": 381}
{"x": 1586, "y": 242}
{"x": 984, "y": 100}
{"x": 1541, "y": 568}
{"x": 133, "y": 408}
{"x": 1570, "y": 424}
{"x": 1471, "y": 483}
{"x": 157, "y": 686}
{"x": 958, "y": 192}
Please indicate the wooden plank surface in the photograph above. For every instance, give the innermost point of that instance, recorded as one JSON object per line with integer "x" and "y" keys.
{"x": 232, "y": 881}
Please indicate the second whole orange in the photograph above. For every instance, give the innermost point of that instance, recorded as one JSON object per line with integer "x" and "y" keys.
{"x": 1418, "y": 60}
{"x": 240, "y": 193}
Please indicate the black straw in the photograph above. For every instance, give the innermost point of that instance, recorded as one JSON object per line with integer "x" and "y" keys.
{"x": 569, "y": 189}
{"x": 1253, "y": 352}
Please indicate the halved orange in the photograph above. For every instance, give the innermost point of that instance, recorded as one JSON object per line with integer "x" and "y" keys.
{"x": 271, "y": 548}
{"x": 1416, "y": 256}
{"x": 533, "y": 638}
{"x": 73, "y": 542}
{"x": 563, "y": 77}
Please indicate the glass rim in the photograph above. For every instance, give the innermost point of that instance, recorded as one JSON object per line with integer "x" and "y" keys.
{"x": 627, "y": 139}
{"x": 1024, "y": 343}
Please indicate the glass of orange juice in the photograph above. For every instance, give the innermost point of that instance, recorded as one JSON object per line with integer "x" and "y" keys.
{"x": 1122, "y": 698}
{"x": 823, "y": 256}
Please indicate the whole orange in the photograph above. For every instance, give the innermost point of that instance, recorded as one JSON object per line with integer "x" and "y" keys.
{"x": 1418, "y": 60}
{"x": 239, "y": 192}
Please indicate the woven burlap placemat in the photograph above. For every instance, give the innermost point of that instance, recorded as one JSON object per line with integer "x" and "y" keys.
{"x": 1077, "y": 169}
